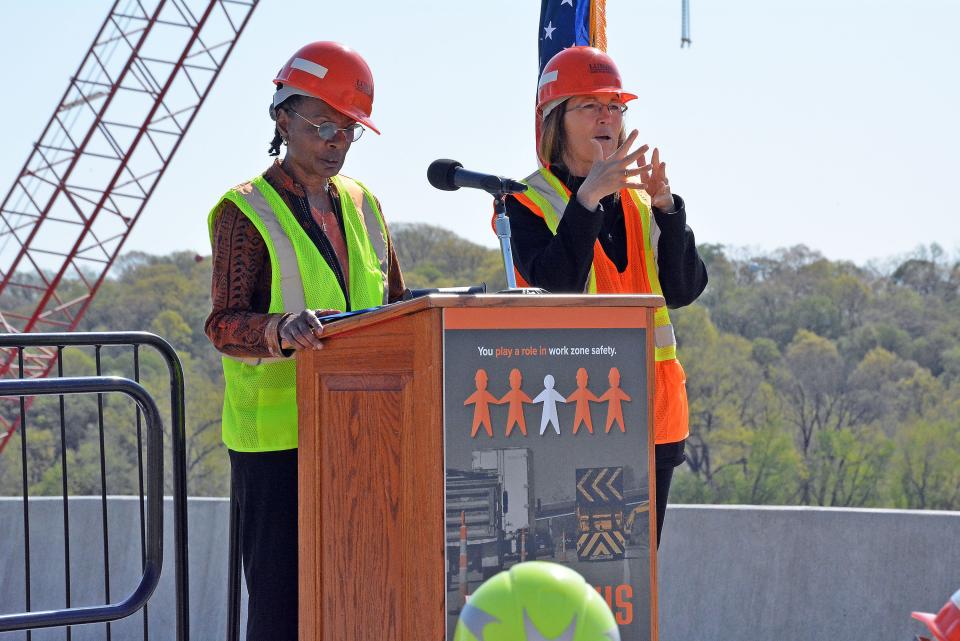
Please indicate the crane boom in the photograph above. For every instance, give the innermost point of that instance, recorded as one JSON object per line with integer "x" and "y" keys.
{"x": 90, "y": 175}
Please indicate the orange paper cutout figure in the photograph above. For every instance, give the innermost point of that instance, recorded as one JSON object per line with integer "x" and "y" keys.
{"x": 582, "y": 395}
{"x": 516, "y": 397}
{"x": 613, "y": 397}
{"x": 481, "y": 400}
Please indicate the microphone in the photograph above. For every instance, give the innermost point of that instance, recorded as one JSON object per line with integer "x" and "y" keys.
{"x": 449, "y": 175}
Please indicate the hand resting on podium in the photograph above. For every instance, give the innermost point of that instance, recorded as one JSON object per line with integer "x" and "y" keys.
{"x": 303, "y": 331}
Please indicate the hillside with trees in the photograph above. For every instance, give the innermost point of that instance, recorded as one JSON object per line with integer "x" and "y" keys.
{"x": 811, "y": 382}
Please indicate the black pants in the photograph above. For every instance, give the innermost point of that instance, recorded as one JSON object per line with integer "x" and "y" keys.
{"x": 668, "y": 456}
{"x": 265, "y": 486}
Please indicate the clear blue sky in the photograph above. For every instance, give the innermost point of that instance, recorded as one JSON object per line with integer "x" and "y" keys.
{"x": 833, "y": 123}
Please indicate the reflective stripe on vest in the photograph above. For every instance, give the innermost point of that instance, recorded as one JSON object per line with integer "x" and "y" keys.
{"x": 551, "y": 197}
{"x": 283, "y": 254}
{"x": 291, "y": 286}
{"x": 547, "y": 197}
{"x": 260, "y": 409}
{"x": 664, "y": 337}
{"x": 361, "y": 199}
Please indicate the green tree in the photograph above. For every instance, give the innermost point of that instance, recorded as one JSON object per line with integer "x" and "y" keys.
{"x": 810, "y": 381}
{"x": 435, "y": 257}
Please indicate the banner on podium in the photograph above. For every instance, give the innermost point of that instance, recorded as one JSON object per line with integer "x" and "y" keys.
{"x": 548, "y": 451}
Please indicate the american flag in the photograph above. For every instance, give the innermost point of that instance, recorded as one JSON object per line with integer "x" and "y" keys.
{"x": 565, "y": 23}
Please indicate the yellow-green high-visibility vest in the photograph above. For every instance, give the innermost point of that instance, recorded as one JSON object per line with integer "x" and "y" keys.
{"x": 547, "y": 197}
{"x": 260, "y": 399}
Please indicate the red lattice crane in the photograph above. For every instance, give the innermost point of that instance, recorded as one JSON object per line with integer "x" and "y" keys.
{"x": 99, "y": 159}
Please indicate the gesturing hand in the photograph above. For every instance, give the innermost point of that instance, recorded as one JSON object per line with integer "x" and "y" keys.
{"x": 610, "y": 175}
{"x": 303, "y": 331}
{"x": 654, "y": 180}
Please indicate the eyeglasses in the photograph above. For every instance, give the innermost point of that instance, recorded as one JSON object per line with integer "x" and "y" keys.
{"x": 596, "y": 109}
{"x": 328, "y": 130}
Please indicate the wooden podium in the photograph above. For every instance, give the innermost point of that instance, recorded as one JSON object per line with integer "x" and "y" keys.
{"x": 374, "y": 528}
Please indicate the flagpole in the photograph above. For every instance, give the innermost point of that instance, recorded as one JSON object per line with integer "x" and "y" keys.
{"x": 598, "y": 24}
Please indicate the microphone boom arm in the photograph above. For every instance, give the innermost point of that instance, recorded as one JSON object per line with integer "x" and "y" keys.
{"x": 449, "y": 175}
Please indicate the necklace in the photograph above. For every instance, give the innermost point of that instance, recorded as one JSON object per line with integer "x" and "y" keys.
{"x": 323, "y": 221}
{"x": 322, "y": 241}
{"x": 320, "y": 210}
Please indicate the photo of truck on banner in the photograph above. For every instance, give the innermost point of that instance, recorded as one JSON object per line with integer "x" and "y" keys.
{"x": 547, "y": 453}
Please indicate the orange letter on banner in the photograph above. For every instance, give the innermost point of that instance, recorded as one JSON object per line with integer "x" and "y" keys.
{"x": 607, "y": 593}
{"x": 624, "y": 605}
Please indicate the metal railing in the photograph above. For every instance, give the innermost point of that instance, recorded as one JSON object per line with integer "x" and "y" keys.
{"x": 150, "y": 500}
{"x": 233, "y": 571}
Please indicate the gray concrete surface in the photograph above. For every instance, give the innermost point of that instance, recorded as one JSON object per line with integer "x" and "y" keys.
{"x": 208, "y": 535}
{"x": 727, "y": 573}
{"x": 746, "y": 573}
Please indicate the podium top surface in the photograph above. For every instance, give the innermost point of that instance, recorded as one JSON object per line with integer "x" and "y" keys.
{"x": 489, "y": 300}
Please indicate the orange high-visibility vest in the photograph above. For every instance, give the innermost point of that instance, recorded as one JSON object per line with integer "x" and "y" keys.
{"x": 547, "y": 197}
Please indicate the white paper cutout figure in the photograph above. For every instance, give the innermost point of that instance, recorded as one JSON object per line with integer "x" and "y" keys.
{"x": 549, "y": 397}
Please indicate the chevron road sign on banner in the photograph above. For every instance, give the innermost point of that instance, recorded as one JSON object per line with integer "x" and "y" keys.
{"x": 605, "y": 545}
{"x": 597, "y": 486}
{"x": 600, "y": 513}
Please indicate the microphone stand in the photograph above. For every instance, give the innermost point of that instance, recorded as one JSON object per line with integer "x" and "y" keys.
{"x": 502, "y": 225}
{"x": 449, "y": 175}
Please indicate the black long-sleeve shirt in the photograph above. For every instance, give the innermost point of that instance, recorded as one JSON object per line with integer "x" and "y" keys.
{"x": 561, "y": 263}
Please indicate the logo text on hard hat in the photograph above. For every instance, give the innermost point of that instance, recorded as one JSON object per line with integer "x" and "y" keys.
{"x": 364, "y": 87}
{"x": 601, "y": 67}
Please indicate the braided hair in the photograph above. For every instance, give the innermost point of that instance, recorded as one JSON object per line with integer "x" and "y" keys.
{"x": 275, "y": 143}
{"x": 278, "y": 140}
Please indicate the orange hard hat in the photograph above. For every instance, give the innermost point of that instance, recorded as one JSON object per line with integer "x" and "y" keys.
{"x": 945, "y": 625}
{"x": 332, "y": 72}
{"x": 578, "y": 71}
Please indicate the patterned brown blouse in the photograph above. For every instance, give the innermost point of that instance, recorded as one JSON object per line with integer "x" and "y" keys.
{"x": 239, "y": 324}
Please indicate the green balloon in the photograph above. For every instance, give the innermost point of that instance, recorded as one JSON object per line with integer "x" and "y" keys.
{"x": 536, "y": 601}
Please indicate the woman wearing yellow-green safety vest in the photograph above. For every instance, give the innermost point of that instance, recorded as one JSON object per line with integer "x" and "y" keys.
{"x": 297, "y": 242}
{"x": 597, "y": 218}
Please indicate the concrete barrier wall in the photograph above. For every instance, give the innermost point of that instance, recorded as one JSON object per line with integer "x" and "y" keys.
{"x": 727, "y": 573}
{"x": 208, "y": 521}
{"x": 746, "y": 573}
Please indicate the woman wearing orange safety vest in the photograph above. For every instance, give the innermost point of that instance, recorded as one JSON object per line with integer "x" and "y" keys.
{"x": 597, "y": 218}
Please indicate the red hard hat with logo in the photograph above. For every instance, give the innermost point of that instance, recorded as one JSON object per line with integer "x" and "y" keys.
{"x": 945, "y": 625}
{"x": 578, "y": 71}
{"x": 332, "y": 72}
